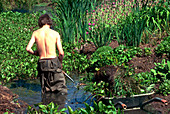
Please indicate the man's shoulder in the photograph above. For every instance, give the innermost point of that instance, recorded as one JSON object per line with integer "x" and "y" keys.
{"x": 54, "y": 31}
{"x": 34, "y": 32}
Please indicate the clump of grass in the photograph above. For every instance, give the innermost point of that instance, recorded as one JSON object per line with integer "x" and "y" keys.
{"x": 134, "y": 21}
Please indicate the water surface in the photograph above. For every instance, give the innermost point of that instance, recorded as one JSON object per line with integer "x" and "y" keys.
{"x": 29, "y": 91}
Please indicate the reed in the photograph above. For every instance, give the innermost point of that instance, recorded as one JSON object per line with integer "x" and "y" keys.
{"x": 71, "y": 19}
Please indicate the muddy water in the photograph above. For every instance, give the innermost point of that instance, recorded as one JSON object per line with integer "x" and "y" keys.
{"x": 29, "y": 91}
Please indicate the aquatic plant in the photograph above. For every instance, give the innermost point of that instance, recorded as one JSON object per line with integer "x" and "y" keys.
{"x": 100, "y": 34}
{"x": 16, "y": 29}
{"x": 52, "y": 108}
{"x": 99, "y": 107}
{"x": 73, "y": 60}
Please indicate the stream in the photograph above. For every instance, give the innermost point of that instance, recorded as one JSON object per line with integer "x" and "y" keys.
{"x": 29, "y": 91}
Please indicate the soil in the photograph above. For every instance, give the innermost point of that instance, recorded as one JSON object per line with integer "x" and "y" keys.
{"x": 10, "y": 103}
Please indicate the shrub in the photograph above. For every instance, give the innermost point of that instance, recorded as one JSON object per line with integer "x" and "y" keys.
{"x": 163, "y": 47}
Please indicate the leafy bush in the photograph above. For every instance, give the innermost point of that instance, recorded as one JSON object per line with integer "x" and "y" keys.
{"x": 146, "y": 81}
{"x": 164, "y": 88}
{"x": 16, "y": 29}
{"x": 73, "y": 60}
{"x": 105, "y": 55}
{"x": 162, "y": 70}
{"x": 101, "y": 57}
{"x": 159, "y": 75}
{"x": 124, "y": 53}
{"x": 163, "y": 47}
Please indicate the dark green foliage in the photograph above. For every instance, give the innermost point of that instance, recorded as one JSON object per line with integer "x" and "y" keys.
{"x": 131, "y": 29}
{"x": 70, "y": 16}
{"x": 101, "y": 57}
{"x": 107, "y": 56}
{"x": 163, "y": 47}
{"x": 73, "y": 60}
{"x": 146, "y": 19}
{"x": 51, "y": 108}
{"x": 99, "y": 107}
{"x": 157, "y": 17}
{"x": 16, "y": 29}
{"x": 159, "y": 75}
{"x": 162, "y": 72}
{"x": 101, "y": 35}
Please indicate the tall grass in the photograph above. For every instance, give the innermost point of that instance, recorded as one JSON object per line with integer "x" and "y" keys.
{"x": 154, "y": 19}
{"x": 131, "y": 21}
{"x": 71, "y": 19}
{"x": 157, "y": 17}
{"x": 131, "y": 30}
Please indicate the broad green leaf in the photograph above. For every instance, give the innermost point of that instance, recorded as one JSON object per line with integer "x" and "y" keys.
{"x": 83, "y": 111}
{"x": 70, "y": 110}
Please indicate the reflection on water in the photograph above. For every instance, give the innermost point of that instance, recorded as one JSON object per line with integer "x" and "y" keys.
{"x": 56, "y": 98}
{"x": 29, "y": 91}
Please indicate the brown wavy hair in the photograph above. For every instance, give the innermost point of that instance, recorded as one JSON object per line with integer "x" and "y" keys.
{"x": 44, "y": 19}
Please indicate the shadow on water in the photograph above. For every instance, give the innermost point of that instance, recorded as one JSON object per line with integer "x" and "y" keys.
{"x": 31, "y": 85}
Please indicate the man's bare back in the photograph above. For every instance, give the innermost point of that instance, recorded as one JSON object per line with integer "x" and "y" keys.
{"x": 46, "y": 40}
{"x": 49, "y": 66}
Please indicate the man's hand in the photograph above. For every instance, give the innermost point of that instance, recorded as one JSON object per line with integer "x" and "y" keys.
{"x": 61, "y": 66}
{"x": 36, "y": 53}
{"x": 61, "y": 56}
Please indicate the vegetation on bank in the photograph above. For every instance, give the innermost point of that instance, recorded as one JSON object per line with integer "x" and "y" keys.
{"x": 131, "y": 23}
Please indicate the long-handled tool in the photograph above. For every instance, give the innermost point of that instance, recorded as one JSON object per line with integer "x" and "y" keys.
{"x": 68, "y": 76}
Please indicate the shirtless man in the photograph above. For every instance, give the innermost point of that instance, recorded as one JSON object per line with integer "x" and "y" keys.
{"x": 49, "y": 65}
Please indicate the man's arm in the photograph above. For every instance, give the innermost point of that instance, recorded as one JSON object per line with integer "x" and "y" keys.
{"x": 29, "y": 46}
{"x": 60, "y": 48}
